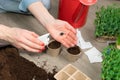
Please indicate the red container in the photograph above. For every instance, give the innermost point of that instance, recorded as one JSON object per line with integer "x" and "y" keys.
{"x": 74, "y": 12}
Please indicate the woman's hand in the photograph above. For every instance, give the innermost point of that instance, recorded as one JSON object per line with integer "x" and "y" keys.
{"x": 24, "y": 39}
{"x": 54, "y": 27}
{"x": 63, "y": 32}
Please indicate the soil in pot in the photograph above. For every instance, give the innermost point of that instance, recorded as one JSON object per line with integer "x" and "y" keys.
{"x": 74, "y": 50}
{"x": 15, "y": 67}
{"x": 54, "y": 44}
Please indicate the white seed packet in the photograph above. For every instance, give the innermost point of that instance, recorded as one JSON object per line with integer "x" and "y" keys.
{"x": 94, "y": 55}
{"x": 44, "y": 38}
{"x": 81, "y": 42}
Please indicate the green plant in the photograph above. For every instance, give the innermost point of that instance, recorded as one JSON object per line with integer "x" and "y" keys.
{"x": 111, "y": 63}
{"x": 107, "y": 21}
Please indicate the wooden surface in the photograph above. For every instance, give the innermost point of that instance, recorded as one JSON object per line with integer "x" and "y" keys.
{"x": 30, "y": 23}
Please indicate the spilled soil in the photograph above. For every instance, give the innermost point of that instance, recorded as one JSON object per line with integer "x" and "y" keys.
{"x": 15, "y": 67}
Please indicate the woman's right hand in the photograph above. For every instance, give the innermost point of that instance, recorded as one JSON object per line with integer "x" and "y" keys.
{"x": 23, "y": 39}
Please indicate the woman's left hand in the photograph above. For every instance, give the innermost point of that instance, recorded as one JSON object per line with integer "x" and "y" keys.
{"x": 63, "y": 32}
{"x": 54, "y": 27}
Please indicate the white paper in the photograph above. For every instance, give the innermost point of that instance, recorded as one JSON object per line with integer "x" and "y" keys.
{"x": 80, "y": 38}
{"x": 86, "y": 45}
{"x": 94, "y": 55}
{"x": 81, "y": 42}
{"x": 44, "y": 38}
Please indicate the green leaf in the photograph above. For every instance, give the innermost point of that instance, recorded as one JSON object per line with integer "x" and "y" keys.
{"x": 107, "y": 21}
{"x": 111, "y": 63}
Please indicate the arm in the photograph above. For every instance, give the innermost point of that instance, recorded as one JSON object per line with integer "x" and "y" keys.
{"x": 42, "y": 14}
{"x": 3, "y": 30}
{"x": 53, "y": 26}
{"x": 21, "y": 38}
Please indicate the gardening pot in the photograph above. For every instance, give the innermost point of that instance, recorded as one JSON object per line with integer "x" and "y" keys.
{"x": 74, "y": 11}
{"x": 72, "y": 54}
{"x": 54, "y": 48}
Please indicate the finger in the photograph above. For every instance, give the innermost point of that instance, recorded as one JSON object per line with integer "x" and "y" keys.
{"x": 31, "y": 44}
{"x": 69, "y": 27}
{"x": 32, "y": 33}
{"x": 69, "y": 36}
{"x": 72, "y": 37}
{"x": 35, "y": 35}
{"x": 68, "y": 42}
{"x": 35, "y": 40}
{"x": 64, "y": 43}
{"x": 71, "y": 40}
{"x": 29, "y": 48}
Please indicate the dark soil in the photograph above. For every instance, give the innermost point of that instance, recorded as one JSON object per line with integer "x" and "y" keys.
{"x": 15, "y": 67}
{"x": 74, "y": 50}
{"x": 105, "y": 39}
{"x": 50, "y": 75}
{"x": 54, "y": 45}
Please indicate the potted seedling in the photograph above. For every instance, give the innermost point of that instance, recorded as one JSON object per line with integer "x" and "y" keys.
{"x": 118, "y": 42}
{"x": 107, "y": 23}
{"x": 54, "y": 48}
{"x": 72, "y": 54}
{"x": 111, "y": 63}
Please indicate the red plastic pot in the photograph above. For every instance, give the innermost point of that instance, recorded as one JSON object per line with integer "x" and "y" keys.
{"x": 74, "y": 11}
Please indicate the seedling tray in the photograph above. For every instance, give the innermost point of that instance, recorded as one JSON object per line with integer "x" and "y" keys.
{"x": 70, "y": 72}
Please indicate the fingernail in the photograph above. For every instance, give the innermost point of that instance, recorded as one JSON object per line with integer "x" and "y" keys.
{"x": 75, "y": 42}
{"x": 73, "y": 45}
{"x": 42, "y": 44}
{"x": 43, "y": 49}
{"x": 68, "y": 46}
{"x": 40, "y": 51}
